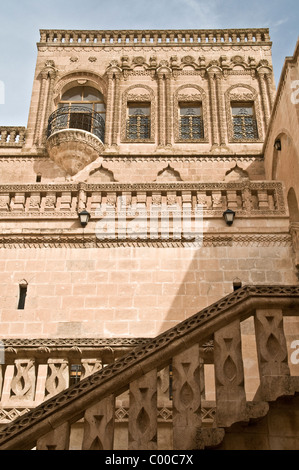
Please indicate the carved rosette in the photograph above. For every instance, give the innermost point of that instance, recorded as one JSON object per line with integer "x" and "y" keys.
{"x": 74, "y": 149}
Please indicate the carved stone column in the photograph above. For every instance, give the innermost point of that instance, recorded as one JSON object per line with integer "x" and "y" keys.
{"x": 294, "y": 231}
{"x": 143, "y": 413}
{"x": 213, "y": 108}
{"x": 81, "y": 198}
{"x": 169, "y": 125}
{"x": 116, "y": 109}
{"x": 109, "y": 110}
{"x": 221, "y": 115}
{"x": 261, "y": 79}
{"x": 51, "y": 80}
{"x": 41, "y": 107}
{"x": 271, "y": 96}
{"x": 58, "y": 439}
{"x": 161, "y": 110}
{"x": 99, "y": 425}
{"x": 186, "y": 398}
{"x": 272, "y": 354}
{"x": 229, "y": 375}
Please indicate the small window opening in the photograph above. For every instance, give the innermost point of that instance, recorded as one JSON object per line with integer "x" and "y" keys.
{"x": 75, "y": 374}
{"x": 237, "y": 284}
{"x": 22, "y": 294}
{"x": 38, "y": 178}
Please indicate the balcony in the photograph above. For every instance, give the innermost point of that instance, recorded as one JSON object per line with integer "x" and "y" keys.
{"x": 75, "y": 137}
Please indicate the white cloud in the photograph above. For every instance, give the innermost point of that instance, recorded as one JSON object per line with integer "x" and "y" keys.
{"x": 203, "y": 12}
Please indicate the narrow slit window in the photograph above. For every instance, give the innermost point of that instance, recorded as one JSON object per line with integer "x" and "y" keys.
{"x": 38, "y": 178}
{"x": 22, "y": 296}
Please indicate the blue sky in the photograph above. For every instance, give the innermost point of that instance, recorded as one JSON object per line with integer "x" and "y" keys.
{"x": 22, "y": 19}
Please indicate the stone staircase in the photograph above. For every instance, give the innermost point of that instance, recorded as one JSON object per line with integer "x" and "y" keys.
{"x": 270, "y": 420}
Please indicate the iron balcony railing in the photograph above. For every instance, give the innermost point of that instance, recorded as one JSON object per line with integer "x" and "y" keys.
{"x": 76, "y": 117}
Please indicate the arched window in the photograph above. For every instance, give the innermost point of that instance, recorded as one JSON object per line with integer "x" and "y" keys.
{"x": 84, "y": 96}
{"x": 81, "y": 107}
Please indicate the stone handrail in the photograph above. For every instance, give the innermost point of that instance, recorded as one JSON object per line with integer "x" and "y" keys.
{"x": 48, "y": 426}
{"x": 155, "y": 37}
{"x": 12, "y": 136}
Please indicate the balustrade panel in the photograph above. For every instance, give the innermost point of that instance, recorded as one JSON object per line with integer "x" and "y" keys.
{"x": 229, "y": 375}
{"x": 143, "y": 413}
{"x": 272, "y": 354}
{"x": 58, "y": 377}
{"x": 186, "y": 391}
{"x": 99, "y": 425}
{"x": 58, "y": 439}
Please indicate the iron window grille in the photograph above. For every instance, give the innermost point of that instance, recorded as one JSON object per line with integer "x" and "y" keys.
{"x": 244, "y": 122}
{"x": 75, "y": 374}
{"x": 139, "y": 123}
{"x": 191, "y": 123}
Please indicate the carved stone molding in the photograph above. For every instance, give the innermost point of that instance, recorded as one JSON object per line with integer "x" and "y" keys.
{"x": 90, "y": 241}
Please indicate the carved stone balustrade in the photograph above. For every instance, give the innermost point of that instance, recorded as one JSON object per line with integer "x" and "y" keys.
{"x": 93, "y": 399}
{"x": 160, "y": 211}
{"x": 12, "y": 136}
{"x": 50, "y": 366}
{"x": 154, "y": 38}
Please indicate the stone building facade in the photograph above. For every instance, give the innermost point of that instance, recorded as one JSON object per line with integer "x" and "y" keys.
{"x": 155, "y": 134}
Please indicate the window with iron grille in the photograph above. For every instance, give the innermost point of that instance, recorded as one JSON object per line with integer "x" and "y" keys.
{"x": 244, "y": 122}
{"x": 75, "y": 373}
{"x": 138, "y": 122}
{"x": 191, "y": 122}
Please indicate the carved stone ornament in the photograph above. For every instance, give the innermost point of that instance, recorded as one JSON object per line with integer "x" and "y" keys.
{"x": 73, "y": 149}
